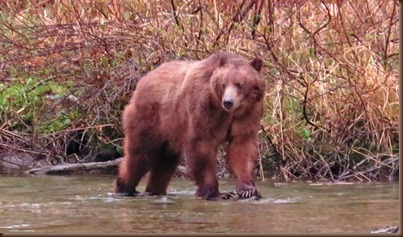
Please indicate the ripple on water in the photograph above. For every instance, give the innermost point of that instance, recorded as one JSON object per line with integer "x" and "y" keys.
{"x": 34, "y": 205}
{"x": 182, "y": 192}
{"x": 110, "y": 197}
{"x": 272, "y": 200}
{"x": 14, "y": 226}
{"x": 164, "y": 200}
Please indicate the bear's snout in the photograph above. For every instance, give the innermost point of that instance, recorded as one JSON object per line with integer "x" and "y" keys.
{"x": 231, "y": 98}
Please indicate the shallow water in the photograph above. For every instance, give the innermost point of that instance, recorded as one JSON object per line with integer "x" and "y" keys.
{"x": 86, "y": 204}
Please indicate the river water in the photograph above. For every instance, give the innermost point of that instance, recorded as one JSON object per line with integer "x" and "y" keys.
{"x": 86, "y": 204}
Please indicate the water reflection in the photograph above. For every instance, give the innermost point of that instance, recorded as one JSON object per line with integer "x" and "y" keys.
{"x": 85, "y": 204}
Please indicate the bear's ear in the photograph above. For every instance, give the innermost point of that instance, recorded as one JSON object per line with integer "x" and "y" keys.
{"x": 223, "y": 59}
{"x": 218, "y": 59}
{"x": 257, "y": 63}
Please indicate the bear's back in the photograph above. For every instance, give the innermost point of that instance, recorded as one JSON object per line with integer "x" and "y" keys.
{"x": 161, "y": 83}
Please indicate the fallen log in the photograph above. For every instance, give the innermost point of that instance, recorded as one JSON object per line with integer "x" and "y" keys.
{"x": 107, "y": 166}
{"x": 69, "y": 168}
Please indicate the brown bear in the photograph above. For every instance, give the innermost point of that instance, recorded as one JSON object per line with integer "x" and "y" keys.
{"x": 189, "y": 108}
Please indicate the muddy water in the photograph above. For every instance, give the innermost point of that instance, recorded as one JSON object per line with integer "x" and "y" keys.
{"x": 86, "y": 204}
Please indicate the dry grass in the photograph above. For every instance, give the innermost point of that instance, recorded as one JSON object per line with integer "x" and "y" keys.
{"x": 331, "y": 69}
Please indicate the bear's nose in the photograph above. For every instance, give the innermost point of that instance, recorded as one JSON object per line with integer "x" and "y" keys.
{"x": 228, "y": 104}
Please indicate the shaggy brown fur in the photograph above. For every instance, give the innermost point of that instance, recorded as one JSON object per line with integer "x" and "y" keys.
{"x": 190, "y": 108}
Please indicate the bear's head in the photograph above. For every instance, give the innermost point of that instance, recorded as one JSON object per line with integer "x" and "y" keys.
{"x": 237, "y": 83}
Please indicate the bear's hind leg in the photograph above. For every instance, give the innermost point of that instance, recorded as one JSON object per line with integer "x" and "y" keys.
{"x": 136, "y": 163}
{"x": 162, "y": 171}
{"x": 131, "y": 170}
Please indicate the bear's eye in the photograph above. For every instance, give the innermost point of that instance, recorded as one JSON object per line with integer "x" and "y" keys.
{"x": 238, "y": 85}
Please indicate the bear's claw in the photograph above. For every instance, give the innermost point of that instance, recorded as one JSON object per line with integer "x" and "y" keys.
{"x": 249, "y": 193}
{"x": 227, "y": 195}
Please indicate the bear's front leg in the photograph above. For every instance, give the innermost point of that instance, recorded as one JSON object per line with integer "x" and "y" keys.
{"x": 242, "y": 155}
{"x": 201, "y": 158}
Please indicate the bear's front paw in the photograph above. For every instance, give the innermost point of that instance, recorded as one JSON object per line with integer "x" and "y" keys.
{"x": 208, "y": 192}
{"x": 210, "y": 196}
